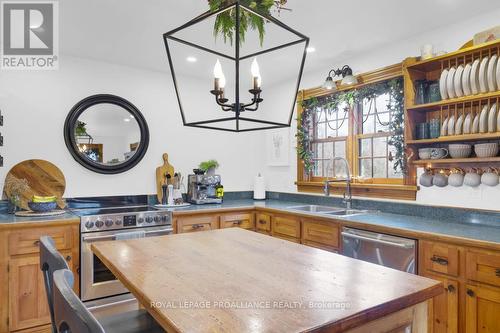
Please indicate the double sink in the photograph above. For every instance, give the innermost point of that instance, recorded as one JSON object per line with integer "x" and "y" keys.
{"x": 327, "y": 210}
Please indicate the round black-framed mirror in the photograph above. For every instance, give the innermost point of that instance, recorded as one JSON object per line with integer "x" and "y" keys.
{"x": 106, "y": 134}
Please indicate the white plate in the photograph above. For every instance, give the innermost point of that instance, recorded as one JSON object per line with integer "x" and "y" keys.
{"x": 475, "y": 125}
{"x": 483, "y": 120}
{"x": 450, "y": 82}
{"x": 467, "y": 124}
{"x": 474, "y": 77}
{"x": 459, "y": 125}
{"x": 444, "y": 127}
{"x": 442, "y": 84}
{"x": 466, "y": 80}
{"x": 483, "y": 75}
{"x": 492, "y": 73}
{"x": 457, "y": 84}
{"x": 451, "y": 125}
{"x": 492, "y": 118}
{"x": 498, "y": 76}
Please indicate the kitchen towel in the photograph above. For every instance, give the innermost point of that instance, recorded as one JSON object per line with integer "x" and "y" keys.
{"x": 259, "y": 188}
{"x": 131, "y": 235}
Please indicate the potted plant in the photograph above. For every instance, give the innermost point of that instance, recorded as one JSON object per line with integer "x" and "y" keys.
{"x": 209, "y": 166}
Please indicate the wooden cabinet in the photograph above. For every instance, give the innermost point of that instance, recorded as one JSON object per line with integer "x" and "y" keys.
{"x": 285, "y": 226}
{"x": 197, "y": 223}
{"x": 483, "y": 266}
{"x": 325, "y": 234}
{"x": 482, "y": 309}
{"x": 24, "y": 295}
{"x": 27, "y": 300}
{"x": 443, "y": 312}
{"x": 243, "y": 220}
{"x": 263, "y": 223}
{"x": 440, "y": 257}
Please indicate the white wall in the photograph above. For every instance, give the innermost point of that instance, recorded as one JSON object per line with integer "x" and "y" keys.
{"x": 35, "y": 104}
{"x": 447, "y": 39}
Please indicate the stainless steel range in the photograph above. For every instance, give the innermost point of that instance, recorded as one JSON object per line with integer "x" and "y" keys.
{"x": 100, "y": 290}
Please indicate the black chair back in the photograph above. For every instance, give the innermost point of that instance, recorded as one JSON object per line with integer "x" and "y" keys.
{"x": 50, "y": 261}
{"x": 71, "y": 315}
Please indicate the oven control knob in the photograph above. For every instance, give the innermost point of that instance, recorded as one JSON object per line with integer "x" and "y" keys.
{"x": 89, "y": 225}
{"x": 149, "y": 219}
{"x": 164, "y": 218}
{"x": 118, "y": 222}
{"x": 141, "y": 220}
{"x": 99, "y": 223}
{"x": 157, "y": 219}
{"x": 109, "y": 223}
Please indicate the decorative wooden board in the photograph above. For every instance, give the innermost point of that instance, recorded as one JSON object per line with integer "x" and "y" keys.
{"x": 44, "y": 179}
{"x": 29, "y": 213}
{"x": 161, "y": 176}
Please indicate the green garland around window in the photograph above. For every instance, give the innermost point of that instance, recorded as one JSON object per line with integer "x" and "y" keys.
{"x": 351, "y": 97}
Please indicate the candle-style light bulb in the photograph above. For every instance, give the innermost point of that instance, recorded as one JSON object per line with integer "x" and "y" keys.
{"x": 256, "y": 78}
{"x": 219, "y": 78}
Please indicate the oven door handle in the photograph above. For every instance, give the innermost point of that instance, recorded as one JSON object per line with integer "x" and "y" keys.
{"x": 112, "y": 237}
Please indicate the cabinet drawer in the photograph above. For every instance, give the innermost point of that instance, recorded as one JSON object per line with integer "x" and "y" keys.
{"x": 263, "y": 222}
{"x": 290, "y": 239}
{"x": 197, "y": 223}
{"x": 440, "y": 258}
{"x": 28, "y": 240}
{"x": 483, "y": 266}
{"x": 321, "y": 232}
{"x": 242, "y": 220}
{"x": 286, "y": 226}
{"x": 321, "y": 246}
{"x": 443, "y": 313}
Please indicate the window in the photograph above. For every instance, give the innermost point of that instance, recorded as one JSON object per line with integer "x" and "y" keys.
{"x": 360, "y": 133}
{"x": 374, "y": 154}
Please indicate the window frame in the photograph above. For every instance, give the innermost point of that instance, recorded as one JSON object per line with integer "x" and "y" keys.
{"x": 397, "y": 188}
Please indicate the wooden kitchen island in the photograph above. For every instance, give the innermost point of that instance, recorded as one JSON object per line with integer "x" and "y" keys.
{"x": 233, "y": 280}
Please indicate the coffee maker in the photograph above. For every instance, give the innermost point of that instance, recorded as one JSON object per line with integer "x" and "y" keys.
{"x": 204, "y": 189}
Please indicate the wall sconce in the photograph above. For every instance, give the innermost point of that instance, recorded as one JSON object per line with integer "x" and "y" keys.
{"x": 347, "y": 78}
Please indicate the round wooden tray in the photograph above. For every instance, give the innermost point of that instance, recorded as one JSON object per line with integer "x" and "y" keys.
{"x": 29, "y": 213}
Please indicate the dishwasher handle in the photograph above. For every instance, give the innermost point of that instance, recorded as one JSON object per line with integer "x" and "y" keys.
{"x": 380, "y": 241}
{"x": 113, "y": 236}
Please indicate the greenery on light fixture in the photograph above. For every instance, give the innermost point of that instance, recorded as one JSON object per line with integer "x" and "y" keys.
{"x": 393, "y": 87}
{"x": 225, "y": 22}
{"x": 210, "y": 164}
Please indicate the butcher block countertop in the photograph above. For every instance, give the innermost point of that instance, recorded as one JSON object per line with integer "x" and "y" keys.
{"x": 233, "y": 280}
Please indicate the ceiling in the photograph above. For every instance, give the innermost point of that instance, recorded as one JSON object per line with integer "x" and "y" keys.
{"x": 129, "y": 32}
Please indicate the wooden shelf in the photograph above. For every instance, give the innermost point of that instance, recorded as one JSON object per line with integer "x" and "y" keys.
{"x": 457, "y": 160}
{"x": 456, "y": 138}
{"x": 447, "y": 102}
{"x": 435, "y": 63}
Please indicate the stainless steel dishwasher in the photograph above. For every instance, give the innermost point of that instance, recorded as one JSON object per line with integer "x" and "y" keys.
{"x": 386, "y": 250}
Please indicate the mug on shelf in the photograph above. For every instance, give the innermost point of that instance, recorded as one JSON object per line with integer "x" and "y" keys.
{"x": 434, "y": 128}
{"x": 438, "y": 153}
{"x": 472, "y": 178}
{"x": 422, "y": 131}
{"x": 426, "y": 178}
{"x": 440, "y": 179}
{"x": 490, "y": 177}
{"x": 456, "y": 177}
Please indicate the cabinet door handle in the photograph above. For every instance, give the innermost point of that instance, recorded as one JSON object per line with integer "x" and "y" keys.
{"x": 451, "y": 288}
{"x": 197, "y": 226}
{"x": 470, "y": 292}
{"x": 497, "y": 272}
{"x": 237, "y": 222}
{"x": 440, "y": 261}
{"x": 68, "y": 258}
{"x": 262, "y": 222}
{"x": 36, "y": 243}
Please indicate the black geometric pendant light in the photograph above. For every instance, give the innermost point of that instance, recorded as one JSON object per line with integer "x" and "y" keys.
{"x": 238, "y": 101}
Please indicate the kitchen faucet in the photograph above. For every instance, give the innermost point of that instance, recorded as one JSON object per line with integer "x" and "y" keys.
{"x": 348, "y": 193}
